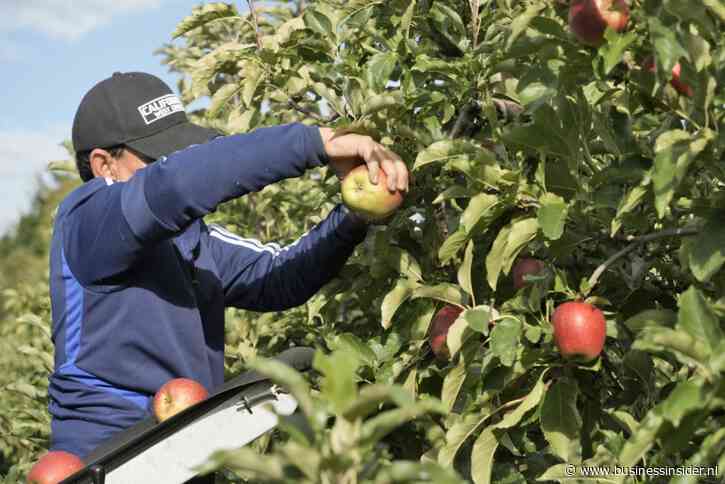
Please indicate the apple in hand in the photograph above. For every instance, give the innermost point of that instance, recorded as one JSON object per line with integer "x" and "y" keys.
{"x": 579, "y": 331}
{"x": 526, "y": 266}
{"x": 440, "y": 325}
{"x": 53, "y": 467}
{"x": 371, "y": 202}
{"x": 177, "y": 395}
{"x": 588, "y": 19}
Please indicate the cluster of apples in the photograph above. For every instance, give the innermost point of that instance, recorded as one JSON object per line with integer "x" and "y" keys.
{"x": 579, "y": 327}
{"x": 589, "y": 19}
{"x": 173, "y": 397}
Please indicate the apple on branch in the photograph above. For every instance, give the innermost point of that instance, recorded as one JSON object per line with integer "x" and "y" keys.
{"x": 176, "y": 396}
{"x": 54, "y": 467}
{"x": 372, "y": 202}
{"x": 588, "y": 19}
{"x": 442, "y": 322}
{"x": 680, "y": 86}
{"x": 579, "y": 330}
{"x": 524, "y": 267}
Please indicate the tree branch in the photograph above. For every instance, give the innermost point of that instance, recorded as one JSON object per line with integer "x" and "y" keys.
{"x": 312, "y": 114}
{"x": 253, "y": 13}
{"x": 683, "y": 232}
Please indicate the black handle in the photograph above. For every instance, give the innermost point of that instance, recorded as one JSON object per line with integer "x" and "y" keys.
{"x": 98, "y": 474}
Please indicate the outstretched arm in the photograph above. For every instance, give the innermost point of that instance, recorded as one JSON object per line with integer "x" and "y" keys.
{"x": 267, "y": 277}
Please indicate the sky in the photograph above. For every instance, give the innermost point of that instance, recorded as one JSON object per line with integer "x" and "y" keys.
{"x": 51, "y": 53}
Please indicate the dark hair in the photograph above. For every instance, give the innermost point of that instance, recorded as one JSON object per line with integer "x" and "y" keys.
{"x": 83, "y": 159}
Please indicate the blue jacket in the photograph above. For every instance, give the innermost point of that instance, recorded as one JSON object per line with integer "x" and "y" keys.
{"x": 139, "y": 282}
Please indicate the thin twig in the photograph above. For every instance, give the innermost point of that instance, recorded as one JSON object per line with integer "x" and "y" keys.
{"x": 253, "y": 13}
{"x": 683, "y": 232}
{"x": 475, "y": 20}
{"x": 312, "y": 114}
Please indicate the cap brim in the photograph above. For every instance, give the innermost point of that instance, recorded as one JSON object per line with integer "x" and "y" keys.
{"x": 173, "y": 139}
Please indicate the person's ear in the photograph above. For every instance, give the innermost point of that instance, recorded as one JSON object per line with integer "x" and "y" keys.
{"x": 103, "y": 164}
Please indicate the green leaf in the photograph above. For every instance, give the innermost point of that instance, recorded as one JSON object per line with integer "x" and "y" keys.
{"x": 207, "y": 66}
{"x": 678, "y": 342}
{"x": 707, "y": 252}
{"x": 453, "y": 191}
{"x": 452, "y": 384}
{"x": 403, "y": 262}
{"x": 560, "y": 420}
{"x": 371, "y": 397}
{"x": 452, "y": 245}
{"x": 484, "y": 207}
{"x": 354, "y": 346}
{"x": 697, "y": 318}
{"x": 667, "y": 48}
{"x": 674, "y": 152}
{"x": 446, "y": 292}
{"x": 521, "y": 22}
{"x": 338, "y": 386}
{"x": 220, "y": 99}
{"x": 717, "y": 8}
{"x": 407, "y": 18}
{"x": 486, "y": 443}
{"x": 685, "y": 398}
{"x": 381, "y": 425}
{"x": 613, "y": 50}
{"x": 633, "y": 199}
{"x": 253, "y": 75}
{"x": 380, "y": 102}
{"x": 318, "y": 21}
{"x": 458, "y": 433}
{"x": 552, "y": 215}
{"x": 643, "y": 439}
{"x": 479, "y": 318}
{"x": 401, "y": 471}
{"x": 457, "y": 334}
{"x": 288, "y": 378}
{"x": 494, "y": 259}
{"x": 505, "y": 337}
{"x": 651, "y": 317}
{"x": 509, "y": 242}
{"x": 447, "y": 151}
{"x": 464, "y": 271}
{"x": 379, "y": 68}
{"x": 402, "y": 291}
{"x": 204, "y": 14}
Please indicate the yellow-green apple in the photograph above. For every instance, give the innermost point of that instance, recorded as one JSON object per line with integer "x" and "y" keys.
{"x": 177, "y": 395}
{"x": 588, "y": 19}
{"x": 53, "y": 467}
{"x": 579, "y": 330}
{"x": 523, "y": 267}
{"x": 370, "y": 201}
{"x": 440, "y": 325}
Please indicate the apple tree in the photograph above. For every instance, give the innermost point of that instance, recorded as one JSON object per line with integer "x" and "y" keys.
{"x": 602, "y": 161}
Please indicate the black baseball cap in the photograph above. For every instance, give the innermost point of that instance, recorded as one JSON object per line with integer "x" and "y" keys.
{"x": 137, "y": 110}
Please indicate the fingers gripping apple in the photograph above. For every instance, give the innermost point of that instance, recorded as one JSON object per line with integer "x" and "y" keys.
{"x": 370, "y": 201}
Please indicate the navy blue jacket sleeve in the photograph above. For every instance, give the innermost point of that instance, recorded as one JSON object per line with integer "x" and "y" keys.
{"x": 105, "y": 233}
{"x": 267, "y": 277}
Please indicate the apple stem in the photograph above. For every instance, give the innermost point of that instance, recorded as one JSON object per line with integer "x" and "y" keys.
{"x": 681, "y": 232}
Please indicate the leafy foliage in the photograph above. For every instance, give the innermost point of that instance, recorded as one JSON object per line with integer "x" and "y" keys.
{"x": 521, "y": 141}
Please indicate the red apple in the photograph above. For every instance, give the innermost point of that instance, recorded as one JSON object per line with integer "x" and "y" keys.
{"x": 526, "y": 266}
{"x": 53, "y": 467}
{"x": 177, "y": 395}
{"x": 579, "y": 330}
{"x": 588, "y": 19}
{"x": 681, "y": 87}
{"x": 369, "y": 201}
{"x": 440, "y": 325}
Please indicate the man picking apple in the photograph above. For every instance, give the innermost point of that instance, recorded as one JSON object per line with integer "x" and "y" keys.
{"x": 139, "y": 282}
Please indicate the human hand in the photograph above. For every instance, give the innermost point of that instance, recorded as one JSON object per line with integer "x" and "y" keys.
{"x": 347, "y": 150}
